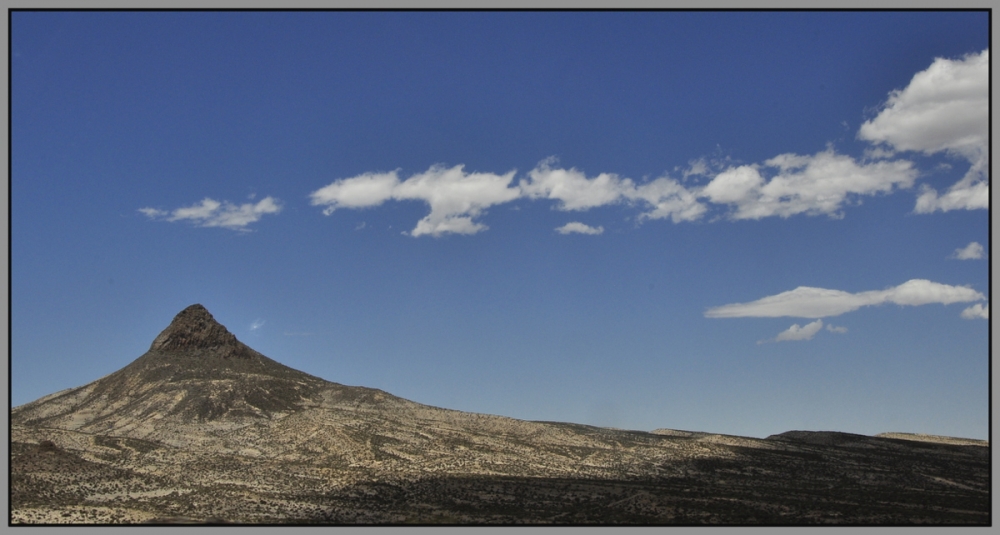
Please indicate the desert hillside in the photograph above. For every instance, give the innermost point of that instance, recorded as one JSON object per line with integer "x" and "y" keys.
{"x": 202, "y": 428}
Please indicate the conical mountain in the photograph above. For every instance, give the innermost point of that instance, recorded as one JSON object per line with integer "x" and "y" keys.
{"x": 195, "y": 371}
{"x": 199, "y": 387}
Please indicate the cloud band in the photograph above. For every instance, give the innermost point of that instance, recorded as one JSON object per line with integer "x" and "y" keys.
{"x": 807, "y": 302}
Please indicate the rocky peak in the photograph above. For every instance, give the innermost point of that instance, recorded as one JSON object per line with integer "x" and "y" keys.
{"x": 194, "y": 329}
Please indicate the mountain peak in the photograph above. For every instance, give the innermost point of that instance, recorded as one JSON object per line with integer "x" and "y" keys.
{"x": 195, "y": 329}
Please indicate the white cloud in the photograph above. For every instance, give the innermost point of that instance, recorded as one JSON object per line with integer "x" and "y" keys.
{"x": 580, "y": 228}
{"x": 572, "y": 188}
{"x": 977, "y": 311}
{"x": 666, "y": 197}
{"x": 973, "y": 251}
{"x": 198, "y": 212}
{"x": 455, "y": 197}
{"x": 839, "y": 330}
{"x": 807, "y": 302}
{"x": 238, "y": 217}
{"x": 970, "y": 193}
{"x": 212, "y": 213}
{"x": 806, "y": 332}
{"x": 735, "y": 185}
{"x": 817, "y": 184}
{"x": 257, "y": 324}
{"x": 153, "y": 213}
{"x": 362, "y": 191}
{"x": 878, "y": 153}
{"x": 698, "y": 167}
{"x": 944, "y": 108}
{"x": 916, "y": 292}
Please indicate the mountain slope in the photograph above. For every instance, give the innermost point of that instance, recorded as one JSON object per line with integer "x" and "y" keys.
{"x": 195, "y": 372}
{"x": 199, "y": 385}
{"x": 202, "y": 426}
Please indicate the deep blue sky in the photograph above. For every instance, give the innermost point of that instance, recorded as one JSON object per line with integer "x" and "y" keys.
{"x": 123, "y": 124}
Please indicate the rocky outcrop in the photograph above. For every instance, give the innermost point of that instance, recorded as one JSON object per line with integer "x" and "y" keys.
{"x": 194, "y": 329}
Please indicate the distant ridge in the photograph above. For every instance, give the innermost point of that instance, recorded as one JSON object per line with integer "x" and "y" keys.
{"x": 937, "y": 439}
{"x": 836, "y": 438}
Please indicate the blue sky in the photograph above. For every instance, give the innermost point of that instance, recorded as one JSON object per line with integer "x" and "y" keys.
{"x": 735, "y": 222}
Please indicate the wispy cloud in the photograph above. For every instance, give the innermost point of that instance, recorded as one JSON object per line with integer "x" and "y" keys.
{"x": 838, "y": 330}
{"x": 579, "y": 228}
{"x": 812, "y": 185}
{"x": 795, "y": 332}
{"x": 662, "y": 198}
{"x": 212, "y": 213}
{"x": 667, "y": 198}
{"x": 696, "y": 167}
{"x": 153, "y": 213}
{"x": 977, "y": 311}
{"x": 973, "y": 251}
{"x": 944, "y": 108}
{"x": 807, "y": 302}
{"x": 455, "y": 197}
{"x": 257, "y": 324}
{"x": 785, "y": 185}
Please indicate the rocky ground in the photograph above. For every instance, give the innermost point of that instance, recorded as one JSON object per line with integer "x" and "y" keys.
{"x": 202, "y": 428}
{"x": 799, "y": 479}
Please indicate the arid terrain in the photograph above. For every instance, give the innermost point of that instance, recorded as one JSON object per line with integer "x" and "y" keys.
{"x": 202, "y": 428}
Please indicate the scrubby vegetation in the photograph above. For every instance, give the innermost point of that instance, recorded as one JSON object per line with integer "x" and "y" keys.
{"x": 204, "y": 429}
